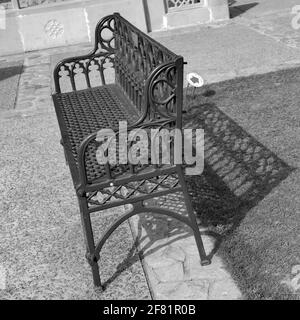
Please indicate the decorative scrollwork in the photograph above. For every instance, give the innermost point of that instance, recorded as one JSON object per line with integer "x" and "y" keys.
{"x": 137, "y": 56}
{"x": 144, "y": 69}
{"x": 162, "y": 93}
{"x": 54, "y": 29}
{"x": 178, "y": 4}
{"x": 80, "y": 68}
{"x": 104, "y": 35}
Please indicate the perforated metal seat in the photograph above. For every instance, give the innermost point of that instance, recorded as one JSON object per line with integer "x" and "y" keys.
{"x": 83, "y": 112}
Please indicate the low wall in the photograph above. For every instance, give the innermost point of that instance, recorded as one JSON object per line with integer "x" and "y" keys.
{"x": 74, "y": 21}
{"x": 62, "y": 24}
{"x": 196, "y": 12}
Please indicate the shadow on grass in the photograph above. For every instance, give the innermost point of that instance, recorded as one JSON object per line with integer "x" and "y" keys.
{"x": 239, "y": 173}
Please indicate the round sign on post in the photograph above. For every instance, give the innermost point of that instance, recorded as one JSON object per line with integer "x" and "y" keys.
{"x": 194, "y": 81}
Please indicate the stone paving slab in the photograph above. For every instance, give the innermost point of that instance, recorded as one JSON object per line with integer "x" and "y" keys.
{"x": 171, "y": 258}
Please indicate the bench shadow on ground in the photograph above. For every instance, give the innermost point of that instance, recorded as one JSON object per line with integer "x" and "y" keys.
{"x": 239, "y": 172}
{"x": 237, "y": 10}
{"x": 8, "y": 72}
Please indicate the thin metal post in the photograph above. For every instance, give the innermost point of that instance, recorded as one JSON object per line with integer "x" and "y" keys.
{"x": 89, "y": 239}
{"x": 15, "y": 4}
{"x": 203, "y": 257}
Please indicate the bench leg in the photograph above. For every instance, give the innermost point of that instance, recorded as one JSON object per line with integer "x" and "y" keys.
{"x": 203, "y": 257}
{"x": 89, "y": 240}
{"x": 61, "y": 142}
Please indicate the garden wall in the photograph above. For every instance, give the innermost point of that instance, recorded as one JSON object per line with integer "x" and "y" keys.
{"x": 31, "y": 25}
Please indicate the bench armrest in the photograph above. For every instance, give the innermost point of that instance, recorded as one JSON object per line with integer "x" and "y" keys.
{"x": 92, "y": 138}
{"x": 97, "y": 59}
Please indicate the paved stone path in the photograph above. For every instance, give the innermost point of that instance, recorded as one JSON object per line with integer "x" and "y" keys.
{"x": 171, "y": 259}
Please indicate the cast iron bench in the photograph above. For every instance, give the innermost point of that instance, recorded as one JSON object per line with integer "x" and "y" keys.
{"x": 147, "y": 92}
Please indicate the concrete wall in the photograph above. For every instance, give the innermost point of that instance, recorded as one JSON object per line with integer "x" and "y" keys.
{"x": 159, "y": 17}
{"x": 205, "y": 12}
{"x": 62, "y": 24}
{"x": 52, "y": 28}
{"x": 10, "y": 38}
{"x": 71, "y": 22}
{"x": 132, "y": 10}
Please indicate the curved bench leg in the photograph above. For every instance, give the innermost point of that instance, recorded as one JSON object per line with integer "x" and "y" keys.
{"x": 140, "y": 208}
{"x": 93, "y": 251}
{"x": 137, "y": 209}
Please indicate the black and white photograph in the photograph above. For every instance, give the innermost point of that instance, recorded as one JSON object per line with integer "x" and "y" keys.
{"x": 149, "y": 151}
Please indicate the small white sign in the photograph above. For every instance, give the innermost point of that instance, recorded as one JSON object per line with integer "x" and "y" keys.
{"x": 2, "y": 18}
{"x": 293, "y": 282}
{"x": 2, "y": 278}
{"x": 195, "y": 80}
{"x": 296, "y": 19}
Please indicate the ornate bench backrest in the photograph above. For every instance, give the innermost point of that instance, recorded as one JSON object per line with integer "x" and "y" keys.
{"x": 149, "y": 74}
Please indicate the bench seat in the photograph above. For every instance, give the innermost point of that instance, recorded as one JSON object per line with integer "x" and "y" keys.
{"x": 82, "y": 112}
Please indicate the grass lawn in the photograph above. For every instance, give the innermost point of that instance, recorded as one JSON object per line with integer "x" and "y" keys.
{"x": 249, "y": 191}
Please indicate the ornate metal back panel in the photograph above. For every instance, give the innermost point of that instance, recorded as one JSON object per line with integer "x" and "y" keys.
{"x": 147, "y": 72}
{"x": 182, "y": 4}
{"x": 92, "y": 69}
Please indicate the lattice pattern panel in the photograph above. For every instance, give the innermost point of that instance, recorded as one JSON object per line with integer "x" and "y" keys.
{"x": 92, "y": 69}
{"x": 181, "y": 4}
{"x": 132, "y": 190}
